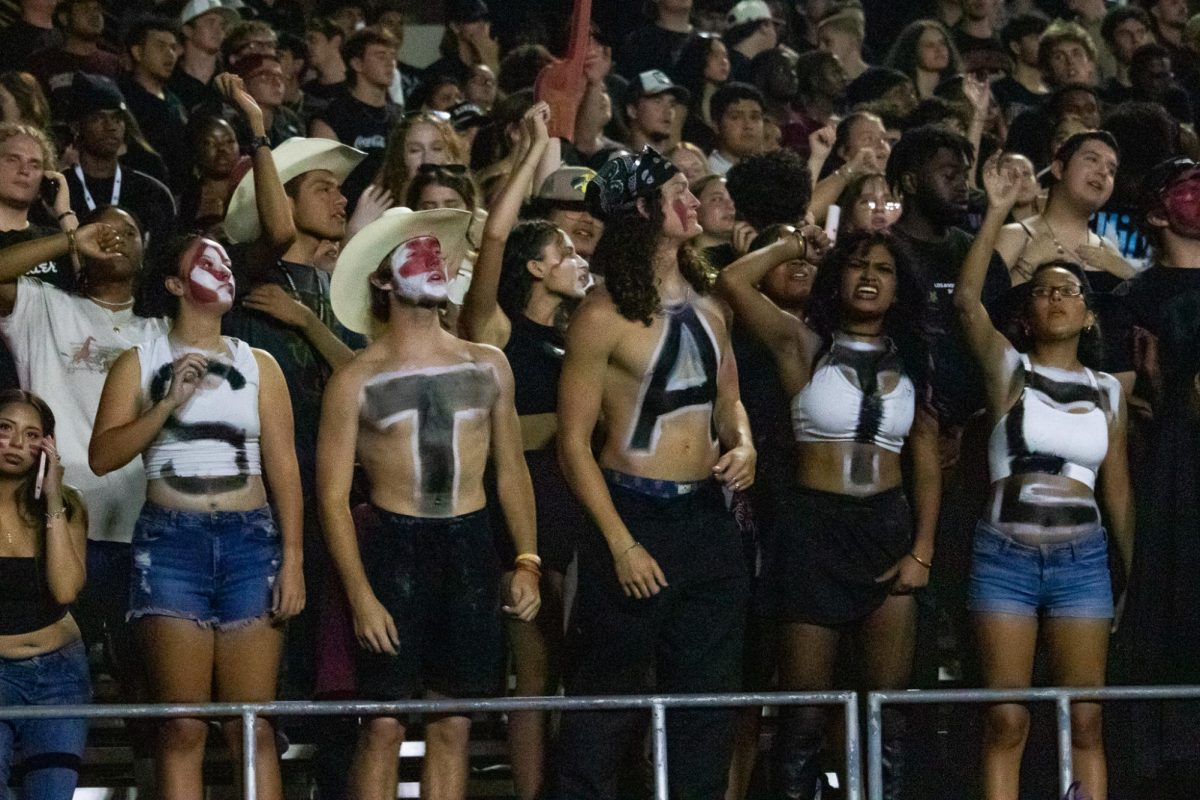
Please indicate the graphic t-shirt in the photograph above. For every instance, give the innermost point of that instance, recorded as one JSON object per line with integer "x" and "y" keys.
{"x": 63, "y": 346}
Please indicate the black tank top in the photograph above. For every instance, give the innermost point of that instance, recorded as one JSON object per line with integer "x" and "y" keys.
{"x": 25, "y": 602}
{"x": 535, "y": 353}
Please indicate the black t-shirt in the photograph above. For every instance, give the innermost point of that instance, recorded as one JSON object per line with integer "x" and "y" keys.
{"x": 20, "y": 40}
{"x": 957, "y": 382}
{"x": 650, "y": 47}
{"x": 366, "y": 128}
{"x": 149, "y": 200}
{"x": 1110, "y": 301}
{"x": 1148, "y": 296}
{"x": 1013, "y": 97}
{"x": 193, "y": 93}
{"x": 318, "y": 96}
{"x": 164, "y": 124}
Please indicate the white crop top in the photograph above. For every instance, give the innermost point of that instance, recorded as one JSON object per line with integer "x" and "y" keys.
{"x": 842, "y": 402}
{"x": 215, "y": 433}
{"x": 1057, "y": 426}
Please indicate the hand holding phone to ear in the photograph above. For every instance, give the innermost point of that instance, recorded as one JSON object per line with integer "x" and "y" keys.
{"x": 50, "y": 474}
{"x": 57, "y": 195}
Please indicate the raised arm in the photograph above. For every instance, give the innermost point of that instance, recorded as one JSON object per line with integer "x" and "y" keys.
{"x": 591, "y": 339}
{"x": 337, "y": 440}
{"x": 988, "y": 344}
{"x": 481, "y": 318}
{"x": 278, "y": 444}
{"x": 979, "y": 96}
{"x": 97, "y": 241}
{"x": 515, "y": 489}
{"x": 829, "y": 189}
{"x": 274, "y": 211}
{"x": 738, "y": 285}
{"x": 122, "y": 432}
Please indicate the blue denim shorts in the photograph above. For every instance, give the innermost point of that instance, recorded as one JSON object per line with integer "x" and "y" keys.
{"x": 215, "y": 568}
{"x": 1068, "y": 579}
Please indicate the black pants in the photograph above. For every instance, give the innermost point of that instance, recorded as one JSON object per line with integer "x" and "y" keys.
{"x": 687, "y": 639}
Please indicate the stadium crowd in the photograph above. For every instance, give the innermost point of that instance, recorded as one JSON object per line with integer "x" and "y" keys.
{"x": 685, "y": 346}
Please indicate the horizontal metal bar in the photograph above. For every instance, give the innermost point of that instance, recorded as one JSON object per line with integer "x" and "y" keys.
{"x": 1045, "y": 694}
{"x": 454, "y": 706}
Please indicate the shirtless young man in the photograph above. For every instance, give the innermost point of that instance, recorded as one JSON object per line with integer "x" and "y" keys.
{"x": 662, "y": 586}
{"x": 432, "y": 409}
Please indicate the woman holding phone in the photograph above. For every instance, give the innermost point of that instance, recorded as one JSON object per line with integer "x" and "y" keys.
{"x": 43, "y": 533}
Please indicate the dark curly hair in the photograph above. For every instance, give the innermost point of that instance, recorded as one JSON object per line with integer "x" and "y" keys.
{"x": 903, "y": 55}
{"x": 1014, "y": 310}
{"x": 623, "y": 256}
{"x": 528, "y": 240}
{"x": 773, "y": 188}
{"x": 906, "y": 322}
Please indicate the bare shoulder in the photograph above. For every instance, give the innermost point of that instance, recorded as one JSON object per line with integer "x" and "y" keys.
{"x": 265, "y": 360}
{"x": 490, "y": 356}
{"x": 597, "y": 319}
{"x": 349, "y": 378}
{"x": 716, "y": 308}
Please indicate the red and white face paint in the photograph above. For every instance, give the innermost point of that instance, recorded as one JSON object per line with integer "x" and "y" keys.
{"x": 418, "y": 271}
{"x": 1181, "y": 200}
{"x": 209, "y": 277}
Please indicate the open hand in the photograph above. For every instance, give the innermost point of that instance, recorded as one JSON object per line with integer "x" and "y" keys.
{"x": 1001, "y": 182}
{"x": 234, "y": 90}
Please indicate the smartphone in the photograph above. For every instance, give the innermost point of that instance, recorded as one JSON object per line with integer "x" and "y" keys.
{"x": 41, "y": 476}
{"x": 49, "y": 191}
{"x": 832, "y": 218}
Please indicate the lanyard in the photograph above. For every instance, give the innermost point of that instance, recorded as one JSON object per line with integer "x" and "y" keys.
{"x": 87, "y": 195}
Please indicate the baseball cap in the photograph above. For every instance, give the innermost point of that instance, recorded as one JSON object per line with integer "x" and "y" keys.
{"x": 622, "y": 181}
{"x": 749, "y": 11}
{"x": 91, "y": 93}
{"x": 467, "y": 115}
{"x": 464, "y": 11}
{"x": 566, "y": 185}
{"x": 1159, "y": 178}
{"x": 653, "y": 82}
{"x": 198, "y": 8}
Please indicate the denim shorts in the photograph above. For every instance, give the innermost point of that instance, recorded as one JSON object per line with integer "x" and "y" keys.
{"x": 215, "y": 568}
{"x": 48, "y": 751}
{"x": 1067, "y": 579}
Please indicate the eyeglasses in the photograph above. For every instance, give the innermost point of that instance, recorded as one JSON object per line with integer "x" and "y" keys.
{"x": 426, "y": 115}
{"x": 442, "y": 169}
{"x": 891, "y": 206}
{"x": 1066, "y": 290}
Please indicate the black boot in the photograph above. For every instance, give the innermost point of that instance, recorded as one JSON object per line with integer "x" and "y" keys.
{"x": 797, "y": 753}
{"x": 894, "y": 773}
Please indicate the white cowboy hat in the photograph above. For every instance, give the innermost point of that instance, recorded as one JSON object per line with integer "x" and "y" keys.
{"x": 198, "y": 8}
{"x": 296, "y": 156}
{"x": 350, "y": 289}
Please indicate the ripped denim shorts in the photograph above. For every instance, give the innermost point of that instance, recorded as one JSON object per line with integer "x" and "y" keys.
{"x": 215, "y": 568}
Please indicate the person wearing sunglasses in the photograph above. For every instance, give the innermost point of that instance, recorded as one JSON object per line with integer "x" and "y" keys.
{"x": 1040, "y": 565}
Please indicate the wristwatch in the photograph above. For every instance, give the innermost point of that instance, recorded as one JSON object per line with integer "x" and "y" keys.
{"x": 259, "y": 141}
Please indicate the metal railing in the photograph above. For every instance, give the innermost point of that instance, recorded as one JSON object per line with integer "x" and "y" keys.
{"x": 658, "y": 705}
{"x": 1061, "y": 697}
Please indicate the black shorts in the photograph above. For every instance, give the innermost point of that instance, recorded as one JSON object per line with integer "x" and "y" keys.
{"x": 828, "y": 550}
{"x": 561, "y": 519}
{"x": 440, "y": 581}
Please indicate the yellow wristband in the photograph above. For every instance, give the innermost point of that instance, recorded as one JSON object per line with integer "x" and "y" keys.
{"x": 533, "y": 558}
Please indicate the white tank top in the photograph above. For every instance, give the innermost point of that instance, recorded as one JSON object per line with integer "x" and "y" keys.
{"x": 215, "y": 434}
{"x": 1056, "y": 426}
{"x": 842, "y": 402}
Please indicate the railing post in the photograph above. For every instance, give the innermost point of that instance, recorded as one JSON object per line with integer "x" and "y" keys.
{"x": 658, "y": 720}
{"x": 854, "y": 782}
{"x": 874, "y": 747}
{"x": 1065, "y": 768}
{"x": 249, "y": 754}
